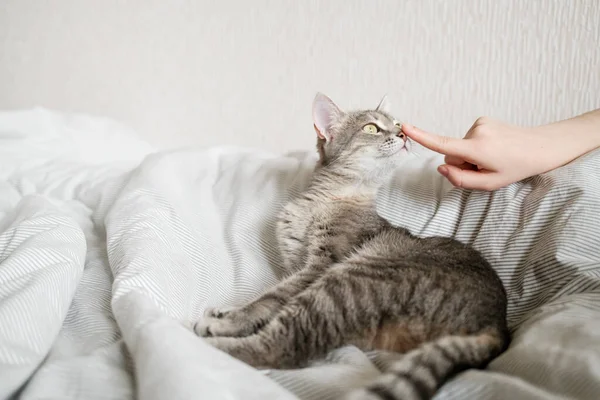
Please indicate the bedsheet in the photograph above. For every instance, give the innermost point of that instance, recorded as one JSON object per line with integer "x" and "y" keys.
{"x": 109, "y": 250}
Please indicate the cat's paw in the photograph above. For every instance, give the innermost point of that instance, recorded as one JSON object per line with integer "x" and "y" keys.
{"x": 211, "y": 327}
{"x": 217, "y": 313}
{"x": 202, "y": 328}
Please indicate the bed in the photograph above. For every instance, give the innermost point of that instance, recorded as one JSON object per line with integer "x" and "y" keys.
{"x": 110, "y": 250}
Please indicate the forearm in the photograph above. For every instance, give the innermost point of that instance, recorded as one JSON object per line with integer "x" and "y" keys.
{"x": 574, "y": 136}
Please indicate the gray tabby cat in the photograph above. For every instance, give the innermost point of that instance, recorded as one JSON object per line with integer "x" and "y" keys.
{"x": 357, "y": 280}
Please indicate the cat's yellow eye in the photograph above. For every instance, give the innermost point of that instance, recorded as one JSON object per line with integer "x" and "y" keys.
{"x": 371, "y": 129}
{"x": 398, "y": 125}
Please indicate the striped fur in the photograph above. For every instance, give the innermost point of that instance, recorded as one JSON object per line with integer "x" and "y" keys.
{"x": 358, "y": 280}
{"x": 420, "y": 372}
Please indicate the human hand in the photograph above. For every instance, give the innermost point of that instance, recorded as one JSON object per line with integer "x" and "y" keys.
{"x": 494, "y": 154}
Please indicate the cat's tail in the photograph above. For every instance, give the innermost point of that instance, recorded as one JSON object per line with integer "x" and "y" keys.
{"x": 419, "y": 373}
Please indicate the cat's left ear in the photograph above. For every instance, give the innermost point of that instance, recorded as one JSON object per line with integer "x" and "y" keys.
{"x": 325, "y": 114}
{"x": 384, "y": 105}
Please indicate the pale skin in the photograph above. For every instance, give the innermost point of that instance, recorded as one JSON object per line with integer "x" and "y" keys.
{"x": 494, "y": 154}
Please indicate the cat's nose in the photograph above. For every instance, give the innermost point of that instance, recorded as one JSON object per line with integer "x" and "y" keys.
{"x": 401, "y": 135}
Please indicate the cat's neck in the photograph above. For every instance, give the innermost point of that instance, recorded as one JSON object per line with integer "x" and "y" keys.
{"x": 337, "y": 184}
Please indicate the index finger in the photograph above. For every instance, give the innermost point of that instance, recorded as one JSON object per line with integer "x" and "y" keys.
{"x": 440, "y": 144}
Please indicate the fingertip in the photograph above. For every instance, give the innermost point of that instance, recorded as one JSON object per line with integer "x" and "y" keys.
{"x": 443, "y": 169}
{"x": 407, "y": 128}
{"x": 454, "y": 160}
{"x": 453, "y": 174}
{"x": 411, "y": 129}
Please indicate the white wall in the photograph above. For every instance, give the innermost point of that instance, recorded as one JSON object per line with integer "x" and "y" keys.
{"x": 245, "y": 72}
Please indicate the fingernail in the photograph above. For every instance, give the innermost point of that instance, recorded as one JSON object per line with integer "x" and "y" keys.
{"x": 442, "y": 169}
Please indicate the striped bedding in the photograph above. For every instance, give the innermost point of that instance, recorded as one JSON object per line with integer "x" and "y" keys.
{"x": 108, "y": 250}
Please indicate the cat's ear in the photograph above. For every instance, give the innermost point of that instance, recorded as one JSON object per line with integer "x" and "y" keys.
{"x": 384, "y": 105}
{"x": 325, "y": 114}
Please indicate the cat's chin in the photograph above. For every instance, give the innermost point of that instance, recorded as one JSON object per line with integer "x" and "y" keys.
{"x": 402, "y": 151}
{"x": 407, "y": 148}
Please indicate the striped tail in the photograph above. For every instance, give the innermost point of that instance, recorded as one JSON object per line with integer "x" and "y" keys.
{"x": 421, "y": 372}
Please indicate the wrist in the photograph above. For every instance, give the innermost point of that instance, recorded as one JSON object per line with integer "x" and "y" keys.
{"x": 570, "y": 138}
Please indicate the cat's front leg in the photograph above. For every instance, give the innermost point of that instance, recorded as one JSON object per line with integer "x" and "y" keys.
{"x": 216, "y": 321}
{"x": 218, "y": 312}
{"x": 247, "y": 320}
{"x": 302, "y": 330}
{"x": 234, "y": 322}
{"x": 250, "y": 350}
{"x": 263, "y": 349}
{"x": 244, "y": 321}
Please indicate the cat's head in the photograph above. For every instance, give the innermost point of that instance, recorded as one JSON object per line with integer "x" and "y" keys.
{"x": 367, "y": 141}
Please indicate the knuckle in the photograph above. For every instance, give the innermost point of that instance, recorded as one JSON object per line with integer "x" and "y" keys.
{"x": 489, "y": 186}
{"x": 479, "y": 147}
{"x": 486, "y": 186}
{"x": 480, "y": 131}
{"x": 483, "y": 126}
{"x": 456, "y": 180}
{"x": 482, "y": 121}
{"x": 443, "y": 141}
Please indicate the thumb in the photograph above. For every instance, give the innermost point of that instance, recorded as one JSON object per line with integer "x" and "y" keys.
{"x": 470, "y": 179}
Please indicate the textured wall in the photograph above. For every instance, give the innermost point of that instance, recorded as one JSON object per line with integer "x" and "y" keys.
{"x": 245, "y": 72}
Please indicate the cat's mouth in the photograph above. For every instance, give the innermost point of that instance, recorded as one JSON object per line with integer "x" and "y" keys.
{"x": 405, "y": 148}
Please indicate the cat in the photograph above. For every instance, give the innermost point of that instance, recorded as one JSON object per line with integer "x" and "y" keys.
{"x": 357, "y": 280}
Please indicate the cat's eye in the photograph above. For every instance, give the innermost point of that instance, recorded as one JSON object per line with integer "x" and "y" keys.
{"x": 398, "y": 125}
{"x": 371, "y": 129}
